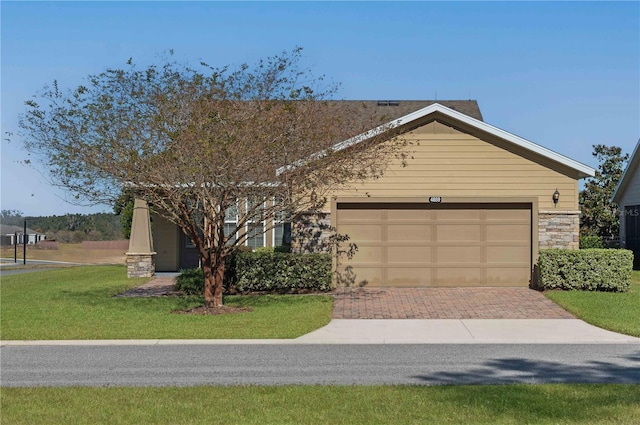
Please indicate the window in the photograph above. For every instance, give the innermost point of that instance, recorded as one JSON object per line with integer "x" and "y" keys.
{"x": 282, "y": 234}
{"x": 281, "y": 229}
{"x": 255, "y": 229}
{"x": 230, "y": 223}
{"x": 256, "y": 237}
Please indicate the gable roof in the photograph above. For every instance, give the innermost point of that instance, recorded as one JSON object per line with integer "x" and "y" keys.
{"x": 7, "y": 229}
{"x": 632, "y": 165}
{"x": 438, "y": 108}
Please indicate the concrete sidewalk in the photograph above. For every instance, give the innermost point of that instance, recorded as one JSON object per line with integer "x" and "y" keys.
{"x": 464, "y": 331}
{"x": 410, "y": 331}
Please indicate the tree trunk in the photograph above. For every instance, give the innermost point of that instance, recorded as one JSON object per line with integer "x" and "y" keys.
{"x": 213, "y": 280}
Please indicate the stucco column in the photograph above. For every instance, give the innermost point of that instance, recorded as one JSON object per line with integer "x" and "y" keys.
{"x": 140, "y": 262}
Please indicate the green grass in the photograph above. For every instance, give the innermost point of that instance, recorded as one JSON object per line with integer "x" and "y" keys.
{"x": 507, "y": 404}
{"x": 615, "y": 311}
{"x": 78, "y": 303}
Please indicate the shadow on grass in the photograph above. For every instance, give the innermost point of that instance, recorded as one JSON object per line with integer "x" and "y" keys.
{"x": 511, "y": 370}
{"x": 545, "y": 404}
{"x": 107, "y": 297}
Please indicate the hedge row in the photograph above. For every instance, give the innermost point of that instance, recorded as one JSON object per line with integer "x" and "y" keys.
{"x": 266, "y": 271}
{"x": 585, "y": 269}
{"x": 281, "y": 272}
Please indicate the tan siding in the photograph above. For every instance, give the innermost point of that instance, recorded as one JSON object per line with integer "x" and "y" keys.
{"x": 463, "y": 165}
{"x": 166, "y": 241}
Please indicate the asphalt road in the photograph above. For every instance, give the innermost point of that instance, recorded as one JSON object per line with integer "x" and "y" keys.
{"x": 8, "y": 267}
{"x": 188, "y": 365}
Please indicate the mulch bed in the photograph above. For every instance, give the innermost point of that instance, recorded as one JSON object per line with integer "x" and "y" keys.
{"x": 205, "y": 311}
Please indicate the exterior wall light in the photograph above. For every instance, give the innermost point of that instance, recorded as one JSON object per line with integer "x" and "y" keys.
{"x": 556, "y": 197}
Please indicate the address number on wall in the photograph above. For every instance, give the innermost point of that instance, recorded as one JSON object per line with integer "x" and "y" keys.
{"x": 435, "y": 199}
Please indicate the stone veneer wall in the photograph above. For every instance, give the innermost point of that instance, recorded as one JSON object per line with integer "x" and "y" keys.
{"x": 140, "y": 265}
{"x": 559, "y": 229}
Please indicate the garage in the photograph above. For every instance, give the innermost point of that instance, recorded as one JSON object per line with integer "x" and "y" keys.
{"x": 413, "y": 244}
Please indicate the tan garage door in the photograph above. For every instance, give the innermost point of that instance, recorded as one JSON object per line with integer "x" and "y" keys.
{"x": 402, "y": 244}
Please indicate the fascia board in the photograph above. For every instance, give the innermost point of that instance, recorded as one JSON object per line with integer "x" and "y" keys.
{"x": 583, "y": 170}
{"x": 633, "y": 164}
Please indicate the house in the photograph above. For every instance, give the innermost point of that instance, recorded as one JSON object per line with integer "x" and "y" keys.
{"x": 9, "y": 234}
{"x": 627, "y": 196}
{"x": 472, "y": 206}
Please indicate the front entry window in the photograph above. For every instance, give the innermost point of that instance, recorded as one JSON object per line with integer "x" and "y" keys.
{"x": 255, "y": 229}
{"x": 230, "y": 223}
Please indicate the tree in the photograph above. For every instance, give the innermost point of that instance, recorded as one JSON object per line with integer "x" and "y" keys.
{"x": 123, "y": 208}
{"x": 600, "y": 217}
{"x": 200, "y": 143}
{"x": 11, "y": 217}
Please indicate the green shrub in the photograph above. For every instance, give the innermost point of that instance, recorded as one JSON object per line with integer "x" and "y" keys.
{"x": 590, "y": 242}
{"x": 283, "y": 248}
{"x": 190, "y": 281}
{"x": 587, "y": 269}
{"x": 265, "y": 270}
{"x": 265, "y": 249}
{"x": 281, "y": 272}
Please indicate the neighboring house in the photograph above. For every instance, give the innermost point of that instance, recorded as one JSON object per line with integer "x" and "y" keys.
{"x": 9, "y": 235}
{"x": 472, "y": 207}
{"x": 627, "y": 196}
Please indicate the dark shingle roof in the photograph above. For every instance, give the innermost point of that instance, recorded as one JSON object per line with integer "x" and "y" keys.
{"x": 6, "y": 229}
{"x": 393, "y": 109}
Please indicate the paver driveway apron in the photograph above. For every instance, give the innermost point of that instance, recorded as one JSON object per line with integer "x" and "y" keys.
{"x": 445, "y": 303}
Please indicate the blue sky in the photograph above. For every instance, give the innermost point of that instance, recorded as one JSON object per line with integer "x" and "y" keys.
{"x": 563, "y": 75}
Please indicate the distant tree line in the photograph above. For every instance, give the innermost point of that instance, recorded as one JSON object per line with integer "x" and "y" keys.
{"x": 70, "y": 228}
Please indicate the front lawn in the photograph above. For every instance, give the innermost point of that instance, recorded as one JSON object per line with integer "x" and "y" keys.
{"x": 497, "y": 404}
{"x": 615, "y": 311}
{"x": 78, "y": 303}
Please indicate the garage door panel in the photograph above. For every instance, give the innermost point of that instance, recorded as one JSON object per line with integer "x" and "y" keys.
{"x": 458, "y": 232}
{"x": 412, "y": 214}
{"x": 367, "y": 254}
{"x": 360, "y": 214}
{"x": 362, "y": 232}
{"x": 458, "y": 215}
{"x": 363, "y": 276}
{"x": 507, "y": 254}
{"x": 408, "y": 232}
{"x": 458, "y": 276}
{"x": 408, "y": 276}
{"x": 410, "y": 254}
{"x": 458, "y": 254}
{"x": 507, "y": 214}
{"x": 508, "y": 232}
{"x": 508, "y": 276}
